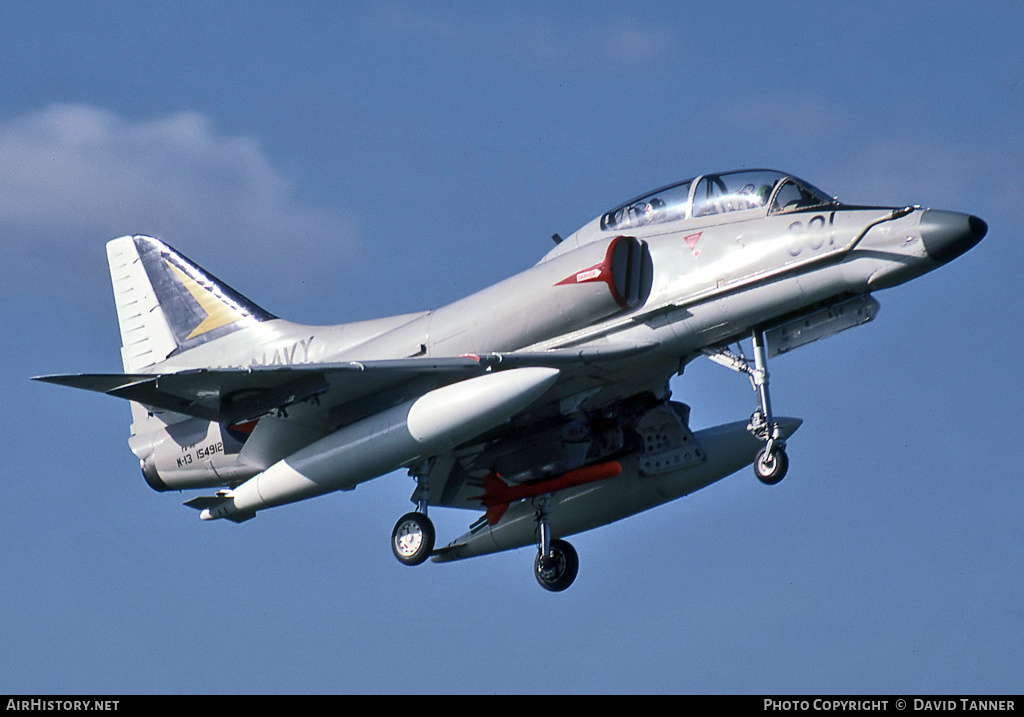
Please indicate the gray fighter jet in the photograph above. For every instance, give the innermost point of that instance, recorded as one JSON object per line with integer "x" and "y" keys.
{"x": 542, "y": 401}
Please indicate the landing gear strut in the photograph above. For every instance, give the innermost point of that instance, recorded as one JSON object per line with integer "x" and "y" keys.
{"x": 771, "y": 463}
{"x": 557, "y": 562}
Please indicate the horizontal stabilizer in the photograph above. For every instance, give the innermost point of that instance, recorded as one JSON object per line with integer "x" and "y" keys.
{"x": 99, "y": 382}
{"x": 204, "y": 501}
{"x": 208, "y": 502}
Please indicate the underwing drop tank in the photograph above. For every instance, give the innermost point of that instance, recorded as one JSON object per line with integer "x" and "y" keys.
{"x": 437, "y": 421}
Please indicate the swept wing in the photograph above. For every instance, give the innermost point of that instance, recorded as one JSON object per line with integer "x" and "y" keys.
{"x": 230, "y": 395}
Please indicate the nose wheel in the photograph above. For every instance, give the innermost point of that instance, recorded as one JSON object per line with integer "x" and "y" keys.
{"x": 771, "y": 466}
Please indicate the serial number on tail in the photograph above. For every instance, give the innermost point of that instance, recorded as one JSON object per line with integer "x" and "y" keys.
{"x": 189, "y": 456}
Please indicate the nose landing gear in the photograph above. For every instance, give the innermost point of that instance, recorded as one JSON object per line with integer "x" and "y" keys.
{"x": 771, "y": 463}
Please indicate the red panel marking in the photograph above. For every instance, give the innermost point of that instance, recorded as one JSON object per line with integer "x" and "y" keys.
{"x": 691, "y": 241}
{"x": 246, "y": 427}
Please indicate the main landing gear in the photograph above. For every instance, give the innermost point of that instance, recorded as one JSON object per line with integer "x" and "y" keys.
{"x": 555, "y": 566}
{"x": 412, "y": 540}
{"x": 557, "y": 563}
{"x": 771, "y": 463}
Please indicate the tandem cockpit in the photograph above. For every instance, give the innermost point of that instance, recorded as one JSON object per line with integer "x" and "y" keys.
{"x": 715, "y": 194}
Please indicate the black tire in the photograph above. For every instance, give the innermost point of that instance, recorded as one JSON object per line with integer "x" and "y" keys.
{"x": 771, "y": 468}
{"x": 412, "y": 540}
{"x": 559, "y": 570}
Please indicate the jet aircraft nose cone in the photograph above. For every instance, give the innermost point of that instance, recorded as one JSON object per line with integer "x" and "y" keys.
{"x": 947, "y": 235}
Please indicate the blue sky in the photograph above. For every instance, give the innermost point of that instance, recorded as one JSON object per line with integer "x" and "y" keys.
{"x": 342, "y": 161}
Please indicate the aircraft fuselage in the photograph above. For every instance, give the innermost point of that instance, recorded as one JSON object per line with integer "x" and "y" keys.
{"x": 678, "y": 287}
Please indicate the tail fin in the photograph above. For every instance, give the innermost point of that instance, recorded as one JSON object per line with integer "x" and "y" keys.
{"x": 166, "y": 304}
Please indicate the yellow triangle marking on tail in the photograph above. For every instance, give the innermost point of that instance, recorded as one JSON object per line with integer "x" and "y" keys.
{"x": 217, "y": 312}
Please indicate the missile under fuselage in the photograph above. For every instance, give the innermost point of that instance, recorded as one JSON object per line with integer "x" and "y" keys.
{"x": 437, "y": 421}
{"x": 727, "y": 449}
{"x": 498, "y": 496}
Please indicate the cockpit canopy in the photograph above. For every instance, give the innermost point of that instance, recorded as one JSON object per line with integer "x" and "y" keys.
{"x": 713, "y": 194}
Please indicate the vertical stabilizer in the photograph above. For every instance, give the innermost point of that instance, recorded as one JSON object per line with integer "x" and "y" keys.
{"x": 166, "y": 304}
{"x": 145, "y": 336}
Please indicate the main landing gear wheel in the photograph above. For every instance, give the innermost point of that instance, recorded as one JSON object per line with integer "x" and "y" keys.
{"x": 771, "y": 466}
{"x": 558, "y": 570}
{"x": 412, "y": 540}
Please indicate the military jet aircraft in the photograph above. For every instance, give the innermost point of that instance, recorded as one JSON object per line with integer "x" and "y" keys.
{"x": 542, "y": 401}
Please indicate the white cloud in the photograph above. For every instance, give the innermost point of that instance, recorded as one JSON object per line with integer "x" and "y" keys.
{"x": 75, "y": 175}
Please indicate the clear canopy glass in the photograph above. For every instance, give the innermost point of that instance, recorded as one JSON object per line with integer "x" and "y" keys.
{"x": 717, "y": 194}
